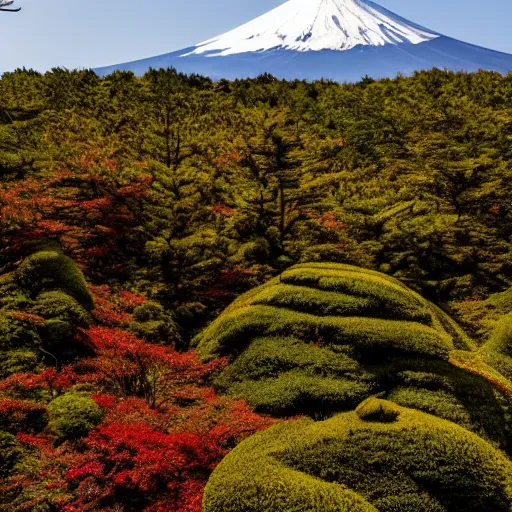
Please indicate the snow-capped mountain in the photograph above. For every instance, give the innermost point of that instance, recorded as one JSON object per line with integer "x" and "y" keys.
{"x": 341, "y": 40}
{"x": 304, "y": 25}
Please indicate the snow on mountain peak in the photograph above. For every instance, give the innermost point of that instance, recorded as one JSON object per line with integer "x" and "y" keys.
{"x": 304, "y": 25}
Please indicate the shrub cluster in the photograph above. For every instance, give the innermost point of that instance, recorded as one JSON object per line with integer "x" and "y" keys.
{"x": 52, "y": 270}
{"x": 383, "y": 457}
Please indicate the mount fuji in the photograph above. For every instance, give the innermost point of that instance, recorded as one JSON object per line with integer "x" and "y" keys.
{"x": 341, "y": 40}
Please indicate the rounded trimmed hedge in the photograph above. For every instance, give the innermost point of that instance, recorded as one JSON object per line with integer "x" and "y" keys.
{"x": 338, "y": 304}
{"x": 498, "y": 350}
{"x": 52, "y": 270}
{"x": 323, "y": 337}
{"x": 63, "y": 316}
{"x": 73, "y": 415}
{"x": 363, "y": 461}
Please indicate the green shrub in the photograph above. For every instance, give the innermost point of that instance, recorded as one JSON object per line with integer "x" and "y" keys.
{"x": 373, "y": 409}
{"x": 60, "y": 306}
{"x": 153, "y": 323}
{"x": 330, "y": 298}
{"x": 73, "y": 415}
{"x": 17, "y": 333}
{"x": 415, "y": 463}
{"x": 451, "y": 393}
{"x": 497, "y": 352}
{"x": 63, "y": 314}
{"x": 284, "y": 376}
{"x": 483, "y": 316}
{"x": 17, "y": 361}
{"x": 501, "y": 337}
{"x": 323, "y": 337}
{"x": 231, "y": 332}
{"x": 52, "y": 270}
{"x": 297, "y": 392}
{"x": 11, "y": 452}
{"x": 149, "y": 311}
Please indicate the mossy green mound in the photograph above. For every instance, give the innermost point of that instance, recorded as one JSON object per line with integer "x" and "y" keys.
{"x": 20, "y": 344}
{"x": 323, "y": 337}
{"x": 484, "y": 316}
{"x": 339, "y": 304}
{"x": 52, "y": 270}
{"x": 498, "y": 350}
{"x": 63, "y": 316}
{"x": 73, "y": 415}
{"x": 360, "y": 462}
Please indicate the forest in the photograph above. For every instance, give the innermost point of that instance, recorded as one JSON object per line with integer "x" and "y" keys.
{"x": 240, "y": 296}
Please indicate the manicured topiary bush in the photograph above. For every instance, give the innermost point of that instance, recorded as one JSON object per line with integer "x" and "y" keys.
{"x": 52, "y": 270}
{"x": 17, "y": 332}
{"x": 20, "y": 343}
{"x": 322, "y": 337}
{"x": 59, "y": 305}
{"x": 11, "y": 452}
{"x": 63, "y": 317}
{"x": 501, "y": 338}
{"x": 373, "y": 409}
{"x": 363, "y": 461}
{"x": 342, "y": 303}
{"x": 73, "y": 415}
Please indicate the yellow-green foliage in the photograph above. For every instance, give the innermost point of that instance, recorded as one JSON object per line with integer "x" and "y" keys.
{"x": 498, "y": 350}
{"x": 501, "y": 338}
{"x": 323, "y": 337}
{"x": 20, "y": 344}
{"x": 16, "y": 333}
{"x": 347, "y": 304}
{"x": 17, "y": 361}
{"x": 52, "y": 270}
{"x": 483, "y": 316}
{"x": 73, "y": 415}
{"x": 63, "y": 315}
{"x": 373, "y": 409}
{"x": 153, "y": 323}
{"x": 11, "y": 452}
{"x": 357, "y": 462}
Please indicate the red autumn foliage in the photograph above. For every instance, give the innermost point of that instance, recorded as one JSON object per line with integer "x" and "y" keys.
{"x": 86, "y": 207}
{"x": 132, "y": 367}
{"x": 21, "y": 416}
{"x": 50, "y": 380}
{"x": 327, "y": 220}
{"x": 221, "y": 209}
{"x": 131, "y": 300}
{"x": 129, "y": 462}
{"x": 27, "y": 317}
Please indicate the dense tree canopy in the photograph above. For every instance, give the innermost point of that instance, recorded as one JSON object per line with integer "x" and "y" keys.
{"x": 191, "y": 191}
{"x": 134, "y": 210}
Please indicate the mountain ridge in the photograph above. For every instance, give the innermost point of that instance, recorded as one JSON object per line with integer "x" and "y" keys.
{"x": 340, "y": 40}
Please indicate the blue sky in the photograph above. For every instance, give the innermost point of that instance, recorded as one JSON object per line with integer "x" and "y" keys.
{"x": 90, "y": 33}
